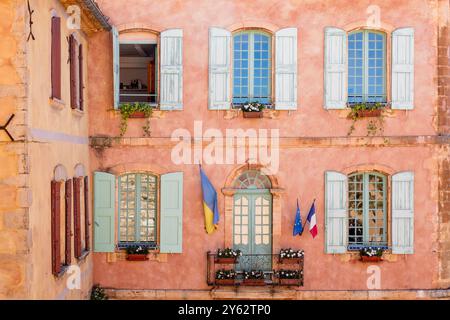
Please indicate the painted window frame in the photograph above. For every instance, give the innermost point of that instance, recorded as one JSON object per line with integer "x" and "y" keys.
{"x": 137, "y": 212}
{"x": 365, "y": 67}
{"x": 157, "y": 95}
{"x": 365, "y": 189}
{"x": 251, "y": 52}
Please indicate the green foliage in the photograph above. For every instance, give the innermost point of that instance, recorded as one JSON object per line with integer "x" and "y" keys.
{"x": 127, "y": 109}
{"x": 98, "y": 293}
{"x": 373, "y": 126}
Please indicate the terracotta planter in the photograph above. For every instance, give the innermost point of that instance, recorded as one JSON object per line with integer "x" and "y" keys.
{"x": 226, "y": 260}
{"x": 368, "y": 113}
{"x": 137, "y": 257}
{"x": 137, "y": 115}
{"x": 225, "y": 282}
{"x": 370, "y": 259}
{"x": 290, "y": 282}
{"x": 255, "y": 114}
{"x": 254, "y": 282}
{"x": 290, "y": 260}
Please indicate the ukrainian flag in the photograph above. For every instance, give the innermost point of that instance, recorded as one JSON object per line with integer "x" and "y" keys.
{"x": 210, "y": 205}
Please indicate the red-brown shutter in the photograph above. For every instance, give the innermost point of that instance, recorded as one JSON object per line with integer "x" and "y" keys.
{"x": 68, "y": 199}
{"x": 87, "y": 222}
{"x": 73, "y": 72}
{"x": 56, "y": 57}
{"x": 55, "y": 226}
{"x": 77, "y": 216}
{"x": 80, "y": 75}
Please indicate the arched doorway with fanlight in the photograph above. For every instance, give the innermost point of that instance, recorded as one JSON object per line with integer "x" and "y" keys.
{"x": 252, "y": 220}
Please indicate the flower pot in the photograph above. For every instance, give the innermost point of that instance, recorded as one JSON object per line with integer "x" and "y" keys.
{"x": 226, "y": 260}
{"x": 368, "y": 113}
{"x": 290, "y": 260}
{"x": 370, "y": 259}
{"x": 254, "y": 282}
{"x": 225, "y": 282}
{"x": 290, "y": 282}
{"x": 254, "y": 114}
{"x": 137, "y": 115}
{"x": 137, "y": 257}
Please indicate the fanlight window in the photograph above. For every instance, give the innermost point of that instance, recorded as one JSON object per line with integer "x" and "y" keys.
{"x": 252, "y": 179}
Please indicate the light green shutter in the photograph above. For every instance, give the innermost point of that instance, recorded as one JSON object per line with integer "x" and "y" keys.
{"x": 171, "y": 239}
{"x": 335, "y": 212}
{"x": 104, "y": 209}
{"x": 403, "y": 213}
{"x": 403, "y": 69}
{"x": 116, "y": 66}
{"x": 335, "y": 68}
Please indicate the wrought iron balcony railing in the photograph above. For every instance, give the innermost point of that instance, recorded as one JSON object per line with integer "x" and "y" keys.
{"x": 271, "y": 266}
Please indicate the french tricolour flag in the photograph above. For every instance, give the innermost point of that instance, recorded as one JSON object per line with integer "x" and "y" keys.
{"x": 312, "y": 220}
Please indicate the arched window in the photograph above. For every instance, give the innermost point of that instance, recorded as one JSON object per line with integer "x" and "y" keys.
{"x": 252, "y": 67}
{"x": 137, "y": 208}
{"x": 366, "y": 67}
{"x": 367, "y": 209}
{"x": 252, "y": 179}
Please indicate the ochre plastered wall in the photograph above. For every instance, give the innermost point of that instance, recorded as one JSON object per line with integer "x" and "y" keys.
{"x": 313, "y": 140}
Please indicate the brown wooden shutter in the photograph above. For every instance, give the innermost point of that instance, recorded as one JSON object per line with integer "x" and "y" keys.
{"x": 80, "y": 76}
{"x": 55, "y": 226}
{"x": 73, "y": 72}
{"x": 68, "y": 199}
{"x": 77, "y": 216}
{"x": 86, "y": 215}
{"x": 56, "y": 57}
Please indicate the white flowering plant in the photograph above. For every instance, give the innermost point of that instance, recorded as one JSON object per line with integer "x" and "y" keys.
{"x": 253, "y": 107}
{"x": 228, "y": 253}
{"x": 253, "y": 274}
{"x": 225, "y": 274}
{"x": 291, "y": 254}
{"x": 371, "y": 252}
{"x": 288, "y": 274}
{"x": 138, "y": 250}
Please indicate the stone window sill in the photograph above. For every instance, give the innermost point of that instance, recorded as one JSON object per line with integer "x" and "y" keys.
{"x": 62, "y": 272}
{"x": 78, "y": 113}
{"x": 83, "y": 256}
{"x": 56, "y": 103}
{"x": 121, "y": 255}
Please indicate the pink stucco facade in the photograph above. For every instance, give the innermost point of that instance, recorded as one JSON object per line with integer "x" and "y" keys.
{"x": 313, "y": 140}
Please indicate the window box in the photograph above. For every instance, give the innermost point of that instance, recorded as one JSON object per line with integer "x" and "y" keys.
{"x": 226, "y": 260}
{"x": 371, "y": 259}
{"x": 252, "y": 114}
{"x": 254, "y": 282}
{"x": 225, "y": 282}
{"x": 137, "y": 257}
{"x": 290, "y": 282}
{"x": 290, "y": 260}
{"x": 367, "y": 113}
{"x": 138, "y": 115}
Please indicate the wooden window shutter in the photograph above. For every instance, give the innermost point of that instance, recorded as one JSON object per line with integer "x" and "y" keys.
{"x": 335, "y": 212}
{"x": 116, "y": 66}
{"x": 56, "y": 58}
{"x": 77, "y": 216}
{"x": 219, "y": 69}
{"x": 171, "y": 83}
{"x": 73, "y": 72}
{"x": 80, "y": 77}
{"x": 68, "y": 207}
{"x": 171, "y": 239}
{"x": 87, "y": 222}
{"x": 55, "y": 226}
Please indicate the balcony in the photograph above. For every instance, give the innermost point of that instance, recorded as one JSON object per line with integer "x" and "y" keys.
{"x": 271, "y": 266}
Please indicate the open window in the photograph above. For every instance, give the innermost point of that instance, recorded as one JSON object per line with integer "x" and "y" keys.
{"x": 148, "y": 68}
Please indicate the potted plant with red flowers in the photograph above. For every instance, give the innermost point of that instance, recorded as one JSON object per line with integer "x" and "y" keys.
{"x": 137, "y": 253}
{"x": 371, "y": 254}
{"x": 225, "y": 277}
{"x": 253, "y": 110}
{"x": 254, "y": 278}
{"x": 227, "y": 256}
{"x": 291, "y": 256}
{"x": 290, "y": 277}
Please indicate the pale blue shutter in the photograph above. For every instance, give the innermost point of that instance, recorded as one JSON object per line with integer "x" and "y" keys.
{"x": 335, "y": 212}
{"x": 116, "y": 66}
{"x": 104, "y": 212}
{"x": 171, "y": 89}
{"x": 335, "y": 68}
{"x": 403, "y": 213}
{"x": 403, "y": 69}
{"x": 219, "y": 69}
{"x": 286, "y": 69}
{"x": 171, "y": 239}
